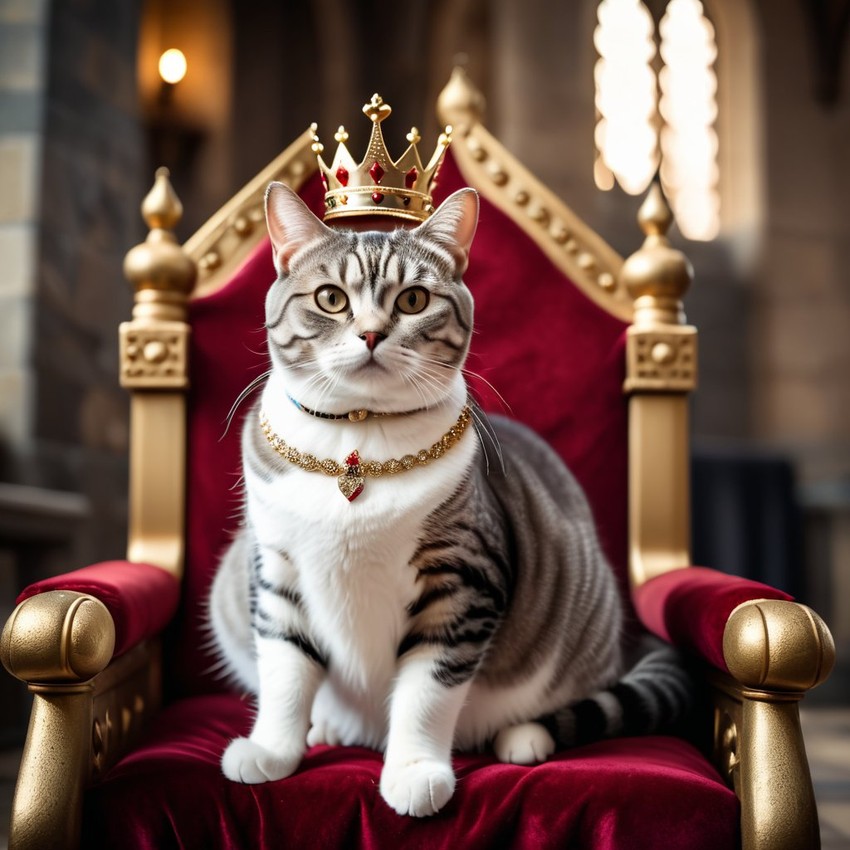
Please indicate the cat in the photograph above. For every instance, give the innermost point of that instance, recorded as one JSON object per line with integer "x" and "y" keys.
{"x": 461, "y": 603}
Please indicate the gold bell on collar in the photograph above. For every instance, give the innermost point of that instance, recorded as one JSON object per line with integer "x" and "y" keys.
{"x": 378, "y": 185}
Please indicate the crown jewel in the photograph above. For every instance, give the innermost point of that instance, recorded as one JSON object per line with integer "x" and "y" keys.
{"x": 377, "y": 185}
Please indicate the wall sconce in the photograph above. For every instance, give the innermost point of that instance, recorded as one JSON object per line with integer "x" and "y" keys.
{"x": 184, "y": 69}
{"x": 175, "y": 135}
{"x": 172, "y": 69}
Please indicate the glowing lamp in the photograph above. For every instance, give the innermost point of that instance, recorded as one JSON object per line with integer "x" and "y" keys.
{"x": 172, "y": 66}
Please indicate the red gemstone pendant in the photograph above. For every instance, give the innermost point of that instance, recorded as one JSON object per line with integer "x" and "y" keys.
{"x": 376, "y": 172}
{"x": 410, "y": 178}
{"x": 342, "y": 175}
{"x": 377, "y": 197}
{"x": 351, "y": 482}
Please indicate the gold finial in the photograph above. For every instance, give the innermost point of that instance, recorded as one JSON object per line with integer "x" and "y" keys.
{"x": 317, "y": 146}
{"x": 657, "y": 275}
{"x": 341, "y": 136}
{"x": 460, "y": 103}
{"x": 413, "y": 136}
{"x": 655, "y": 215}
{"x": 161, "y": 207}
{"x": 161, "y": 273}
{"x": 376, "y": 109}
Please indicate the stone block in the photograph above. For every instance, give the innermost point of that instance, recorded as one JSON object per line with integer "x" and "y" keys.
{"x": 20, "y": 111}
{"x": 18, "y": 177}
{"x": 799, "y": 263}
{"x": 23, "y": 11}
{"x": 17, "y": 256}
{"x": 14, "y": 407}
{"x": 804, "y": 338}
{"x": 797, "y": 410}
{"x": 15, "y": 331}
{"x": 22, "y": 48}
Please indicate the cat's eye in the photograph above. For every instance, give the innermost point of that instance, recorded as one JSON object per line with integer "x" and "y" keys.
{"x": 331, "y": 299}
{"x": 413, "y": 300}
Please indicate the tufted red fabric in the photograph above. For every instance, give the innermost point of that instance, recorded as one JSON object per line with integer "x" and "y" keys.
{"x": 555, "y": 358}
{"x": 627, "y": 794}
{"x": 689, "y": 607}
{"x": 141, "y": 598}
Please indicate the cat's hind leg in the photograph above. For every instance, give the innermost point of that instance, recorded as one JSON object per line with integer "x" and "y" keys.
{"x": 321, "y": 734}
{"x": 524, "y": 743}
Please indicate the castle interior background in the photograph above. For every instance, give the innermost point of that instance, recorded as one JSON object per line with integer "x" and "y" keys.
{"x": 85, "y": 118}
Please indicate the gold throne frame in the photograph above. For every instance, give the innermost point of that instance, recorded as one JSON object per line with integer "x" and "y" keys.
{"x": 88, "y": 708}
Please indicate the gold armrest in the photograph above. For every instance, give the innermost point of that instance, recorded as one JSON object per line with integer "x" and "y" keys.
{"x": 55, "y": 642}
{"x": 775, "y": 651}
{"x": 59, "y": 637}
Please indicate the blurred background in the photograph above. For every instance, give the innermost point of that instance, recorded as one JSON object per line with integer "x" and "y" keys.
{"x": 743, "y": 104}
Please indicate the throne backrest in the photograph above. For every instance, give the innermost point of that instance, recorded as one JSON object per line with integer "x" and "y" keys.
{"x": 544, "y": 352}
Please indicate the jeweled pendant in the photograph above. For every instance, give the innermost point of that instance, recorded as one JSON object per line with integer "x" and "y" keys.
{"x": 351, "y": 482}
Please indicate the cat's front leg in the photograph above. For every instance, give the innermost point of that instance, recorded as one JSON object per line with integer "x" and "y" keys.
{"x": 417, "y": 778}
{"x": 290, "y": 673}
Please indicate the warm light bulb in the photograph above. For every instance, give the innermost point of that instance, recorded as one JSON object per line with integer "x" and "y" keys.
{"x": 172, "y": 66}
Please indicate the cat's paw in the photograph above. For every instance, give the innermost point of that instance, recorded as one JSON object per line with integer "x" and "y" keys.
{"x": 322, "y": 734}
{"x": 420, "y": 788}
{"x": 525, "y": 743}
{"x": 246, "y": 761}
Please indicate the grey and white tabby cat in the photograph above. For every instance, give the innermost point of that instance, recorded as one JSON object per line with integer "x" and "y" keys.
{"x": 459, "y": 604}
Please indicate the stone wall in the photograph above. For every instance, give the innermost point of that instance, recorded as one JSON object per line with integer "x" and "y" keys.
{"x": 75, "y": 157}
{"x": 23, "y": 46}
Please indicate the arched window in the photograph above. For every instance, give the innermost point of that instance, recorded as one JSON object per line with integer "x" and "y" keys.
{"x": 636, "y": 130}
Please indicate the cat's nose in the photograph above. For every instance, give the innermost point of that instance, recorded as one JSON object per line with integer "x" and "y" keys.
{"x": 372, "y": 338}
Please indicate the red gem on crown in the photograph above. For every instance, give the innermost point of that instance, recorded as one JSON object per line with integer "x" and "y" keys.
{"x": 379, "y": 184}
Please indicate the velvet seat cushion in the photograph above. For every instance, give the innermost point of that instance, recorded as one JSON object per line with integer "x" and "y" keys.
{"x": 624, "y": 794}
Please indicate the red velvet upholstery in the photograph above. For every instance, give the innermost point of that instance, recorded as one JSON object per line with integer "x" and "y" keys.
{"x": 142, "y": 599}
{"x": 554, "y": 356}
{"x": 629, "y": 794}
{"x": 689, "y": 607}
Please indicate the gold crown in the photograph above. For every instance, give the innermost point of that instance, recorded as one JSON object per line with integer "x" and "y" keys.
{"x": 379, "y": 186}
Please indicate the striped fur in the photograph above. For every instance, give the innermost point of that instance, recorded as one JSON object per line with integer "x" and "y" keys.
{"x": 463, "y": 604}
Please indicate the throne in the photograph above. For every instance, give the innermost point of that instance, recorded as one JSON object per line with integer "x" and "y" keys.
{"x": 129, "y": 720}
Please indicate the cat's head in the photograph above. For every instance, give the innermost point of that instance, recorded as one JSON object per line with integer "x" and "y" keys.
{"x": 369, "y": 319}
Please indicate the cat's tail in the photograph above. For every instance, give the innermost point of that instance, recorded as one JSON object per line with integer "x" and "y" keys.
{"x": 654, "y": 695}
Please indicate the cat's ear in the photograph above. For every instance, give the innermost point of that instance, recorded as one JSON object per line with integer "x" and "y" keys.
{"x": 453, "y": 225}
{"x": 291, "y": 224}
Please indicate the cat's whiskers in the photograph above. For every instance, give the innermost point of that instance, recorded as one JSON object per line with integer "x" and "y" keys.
{"x": 415, "y": 371}
{"x": 482, "y": 426}
{"x": 468, "y": 373}
{"x": 252, "y": 385}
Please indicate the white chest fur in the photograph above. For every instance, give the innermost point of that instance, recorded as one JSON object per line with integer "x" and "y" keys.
{"x": 350, "y": 560}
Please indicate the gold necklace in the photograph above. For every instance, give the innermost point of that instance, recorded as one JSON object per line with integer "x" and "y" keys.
{"x": 352, "y": 474}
